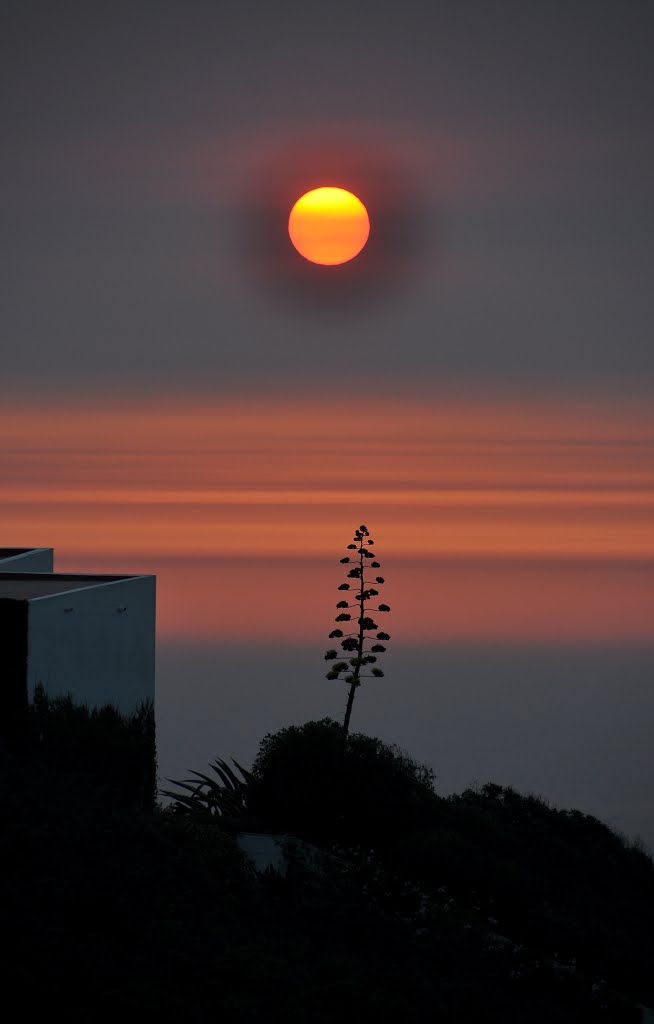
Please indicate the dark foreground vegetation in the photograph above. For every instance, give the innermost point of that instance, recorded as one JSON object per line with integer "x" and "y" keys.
{"x": 409, "y": 907}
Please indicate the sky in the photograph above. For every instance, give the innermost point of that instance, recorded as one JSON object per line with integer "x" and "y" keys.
{"x": 183, "y": 394}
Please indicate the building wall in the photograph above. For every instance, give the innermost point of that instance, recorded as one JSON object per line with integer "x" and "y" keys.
{"x": 32, "y": 560}
{"x": 96, "y": 643}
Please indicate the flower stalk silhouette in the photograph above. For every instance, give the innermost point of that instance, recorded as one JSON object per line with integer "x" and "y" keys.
{"x": 359, "y": 643}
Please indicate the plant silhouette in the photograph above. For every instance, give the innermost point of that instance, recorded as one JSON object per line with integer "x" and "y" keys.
{"x": 227, "y": 795}
{"x": 359, "y": 643}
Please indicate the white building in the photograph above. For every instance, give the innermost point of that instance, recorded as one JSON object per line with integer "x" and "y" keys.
{"x": 92, "y": 636}
{"x": 265, "y": 851}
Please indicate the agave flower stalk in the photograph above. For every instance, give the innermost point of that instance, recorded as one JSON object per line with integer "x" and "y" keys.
{"x": 362, "y": 647}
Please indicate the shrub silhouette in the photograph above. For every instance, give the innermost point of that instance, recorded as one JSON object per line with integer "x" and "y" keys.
{"x": 115, "y": 752}
{"x": 317, "y": 783}
{"x": 557, "y": 880}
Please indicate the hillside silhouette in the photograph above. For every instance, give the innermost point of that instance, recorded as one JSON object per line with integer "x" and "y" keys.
{"x": 486, "y": 905}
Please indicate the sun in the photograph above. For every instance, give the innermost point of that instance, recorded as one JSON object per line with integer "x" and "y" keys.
{"x": 329, "y": 225}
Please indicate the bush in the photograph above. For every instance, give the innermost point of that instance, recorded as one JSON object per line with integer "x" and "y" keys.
{"x": 113, "y": 753}
{"x": 316, "y": 782}
{"x": 556, "y": 880}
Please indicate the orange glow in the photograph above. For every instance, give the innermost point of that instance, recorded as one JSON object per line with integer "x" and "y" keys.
{"x": 493, "y": 519}
{"x": 434, "y": 602}
{"x": 329, "y": 226}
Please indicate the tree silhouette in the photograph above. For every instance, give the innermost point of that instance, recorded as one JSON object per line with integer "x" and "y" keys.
{"x": 356, "y": 643}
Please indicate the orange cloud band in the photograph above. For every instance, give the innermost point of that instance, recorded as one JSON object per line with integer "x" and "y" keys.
{"x": 145, "y": 486}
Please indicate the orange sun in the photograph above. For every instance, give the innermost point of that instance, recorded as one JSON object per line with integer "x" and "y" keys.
{"x": 329, "y": 226}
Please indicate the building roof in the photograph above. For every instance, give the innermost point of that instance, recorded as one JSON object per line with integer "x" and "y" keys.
{"x": 17, "y": 557}
{"x": 29, "y": 586}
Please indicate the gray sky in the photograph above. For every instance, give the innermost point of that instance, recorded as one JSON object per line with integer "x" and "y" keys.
{"x": 151, "y": 152}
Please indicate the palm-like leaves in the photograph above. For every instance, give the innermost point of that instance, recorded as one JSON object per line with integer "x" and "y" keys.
{"x": 226, "y": 795}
